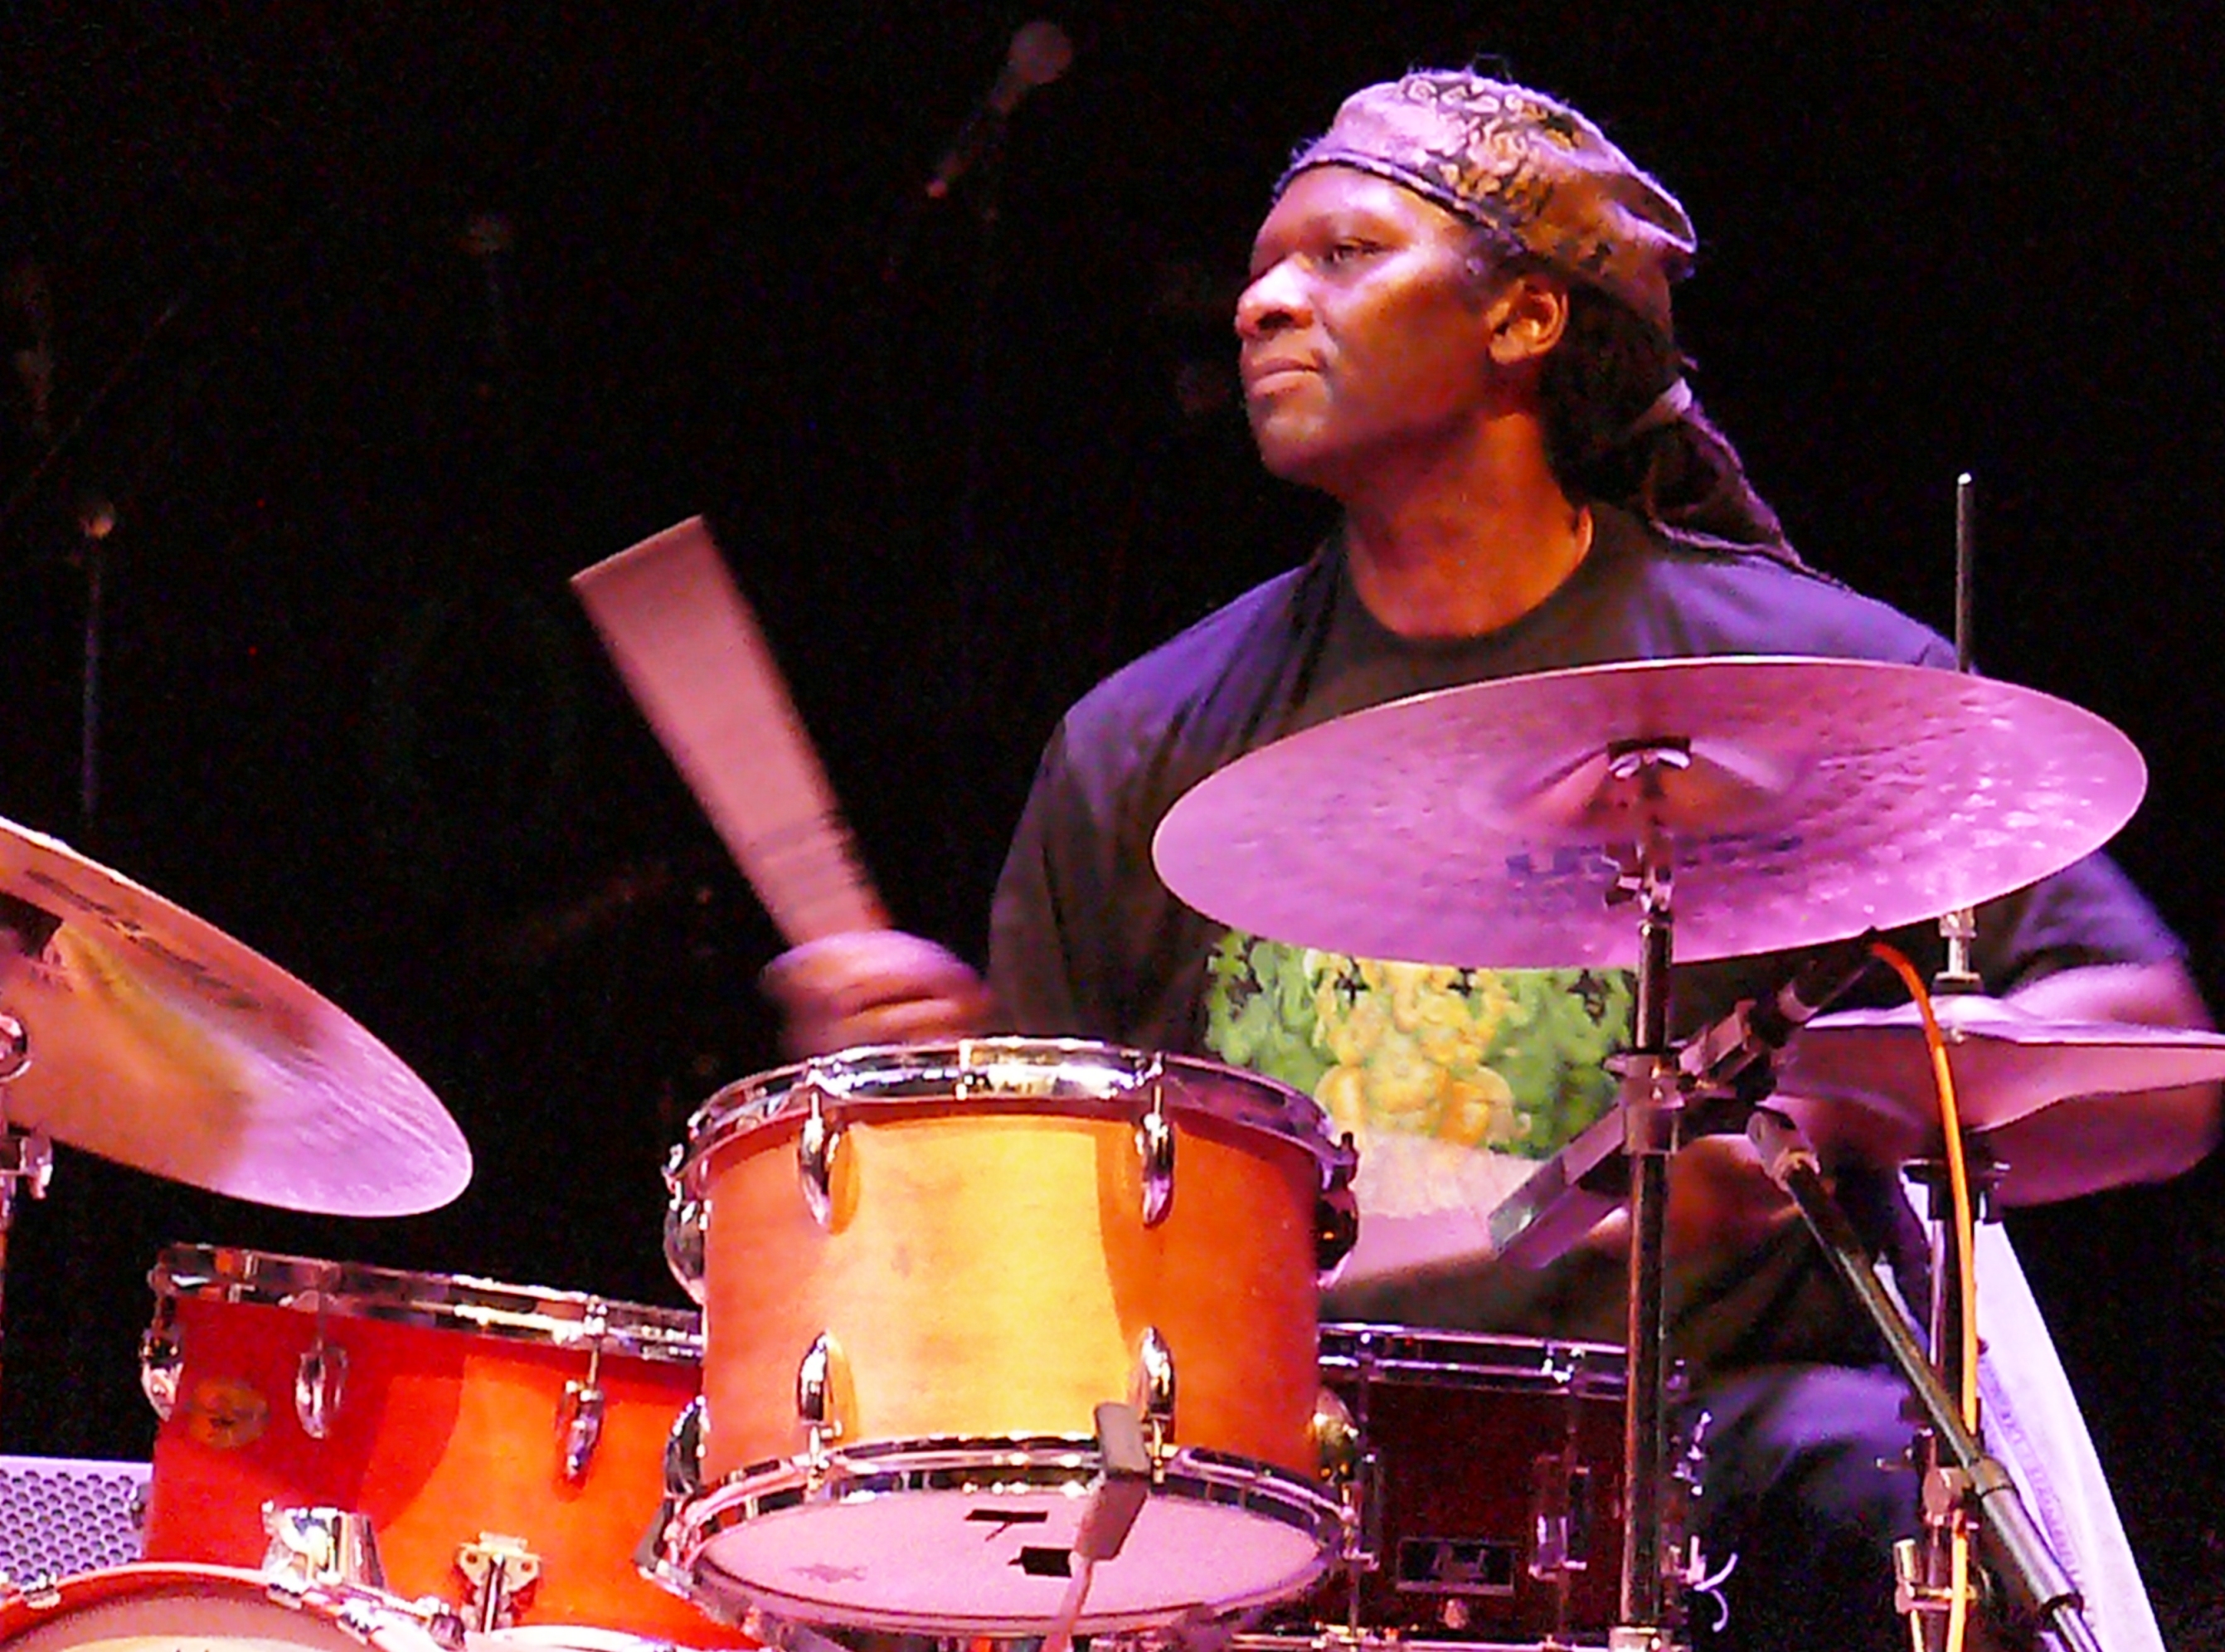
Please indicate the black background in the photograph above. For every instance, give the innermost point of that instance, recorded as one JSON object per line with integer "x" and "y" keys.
{"x": 964, "y": 463}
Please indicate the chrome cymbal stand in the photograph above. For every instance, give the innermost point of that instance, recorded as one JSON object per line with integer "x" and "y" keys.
{"x": 27, "y": 1158}
{"x": 2038, "y": 1584}
{"x": 1922, "y": 1572}
{"x": 1651, "y": 1102}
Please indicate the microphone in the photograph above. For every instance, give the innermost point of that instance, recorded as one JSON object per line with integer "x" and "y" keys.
{"x": 1736, "y": 1057}
{"x": 1040, "y": 52}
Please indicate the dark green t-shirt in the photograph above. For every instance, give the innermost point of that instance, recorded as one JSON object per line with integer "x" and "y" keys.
{"x": 1453, "y": 1082}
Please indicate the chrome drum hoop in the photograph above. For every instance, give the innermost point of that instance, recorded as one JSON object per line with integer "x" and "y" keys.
{"x": 1063, "y": 1467}
{"x": 461, "y": 1302}
{"x": 1075, "y": 1077}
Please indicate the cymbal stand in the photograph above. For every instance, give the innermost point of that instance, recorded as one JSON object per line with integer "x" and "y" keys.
{"x": 1921, "y": 1568}
{"x": 27, "y": 1158}
{"x": 2038, "y": 1584}
{"x": 1651, "y": 1102}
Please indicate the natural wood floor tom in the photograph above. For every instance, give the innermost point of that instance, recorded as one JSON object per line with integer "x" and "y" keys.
{"x": 989, "y": 1251}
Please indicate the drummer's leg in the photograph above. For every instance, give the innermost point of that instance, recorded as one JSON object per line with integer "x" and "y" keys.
{"x": 1792, "y": 1488}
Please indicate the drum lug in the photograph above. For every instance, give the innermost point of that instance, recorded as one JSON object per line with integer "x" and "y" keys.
{"x": 820, "y": 1380}
{"x": 1336, "y": 1212}
{"x": 815, "y": 1147}
{"x": 579, "y": 1413}
{"x": 314, "y": 1548}
{"x": 1335, "y": 1438}
{"x": 1154, "y": 1397}
{"x": 580, "y": 1418}
{"x": 683, "y": 1452}
{"x": 162, "y": 1361}
{"x": 319, "y": 1382}
{"x": 1561, "y": 1517}
{"x": 684, "y": 1484}
{"x": 1336, "y": 1230}
{"x": 1154, "y": 1150}
{"x": 497, "y": 1571}
{"x": 684, "y": 1226}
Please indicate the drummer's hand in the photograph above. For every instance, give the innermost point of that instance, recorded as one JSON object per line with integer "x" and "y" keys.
{"x": 1720, "y": 1200}
{"x": 874, "y": 986}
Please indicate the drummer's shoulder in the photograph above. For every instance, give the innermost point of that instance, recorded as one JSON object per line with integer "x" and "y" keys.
{"x": 1231, "y": 654}
{"x": 1786, "y": 604}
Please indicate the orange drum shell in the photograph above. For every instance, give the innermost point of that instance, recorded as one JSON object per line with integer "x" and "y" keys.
{"x": 989, "y": 1274}
{"x": 440, "y": 1436}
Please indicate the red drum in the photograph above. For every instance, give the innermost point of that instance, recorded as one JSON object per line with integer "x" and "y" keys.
{"x": 1486, "y": 1479}
{"x": 922, "y": 1269}
{"x": 506, "y": 1443}
{"x": 203, "y": 1609}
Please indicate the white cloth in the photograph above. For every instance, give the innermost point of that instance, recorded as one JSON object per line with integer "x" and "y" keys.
{"x": 2033, "y": 1426}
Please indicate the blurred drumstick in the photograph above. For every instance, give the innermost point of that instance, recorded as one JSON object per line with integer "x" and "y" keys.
{"x": 691, "y": 655}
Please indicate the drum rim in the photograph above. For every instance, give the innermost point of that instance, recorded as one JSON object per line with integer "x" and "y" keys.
{"x": 769, "y": 1099}
{"x": 461, "y": 1302}
{"x": 1042, "y": 1462}
{"x": 1416, "y": 1350}
{"x": 370, "y": 1615}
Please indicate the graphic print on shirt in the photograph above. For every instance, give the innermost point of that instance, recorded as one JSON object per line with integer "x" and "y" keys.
{"x": 1453, "y": 1082}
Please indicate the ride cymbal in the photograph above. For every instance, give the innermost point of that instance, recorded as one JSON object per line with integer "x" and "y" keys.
{"x": 154, "y": 1039}
{"x": 1802, "y": 800}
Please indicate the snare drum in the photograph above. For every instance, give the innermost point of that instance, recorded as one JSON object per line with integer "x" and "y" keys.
{"x": 506, "y": 1443}
{"x": 922, "y": 1268}
{"x": 1485, "y": 1488}
{"x": 203, "y": 1609}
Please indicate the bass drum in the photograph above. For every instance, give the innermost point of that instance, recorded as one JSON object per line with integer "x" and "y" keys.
{"x": 924, "y": 1268}
{"x": 150, "y": 1608}
{"x": 505, "y": 1442}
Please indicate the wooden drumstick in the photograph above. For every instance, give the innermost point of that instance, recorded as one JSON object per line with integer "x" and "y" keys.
{"x": 691, "y": 655}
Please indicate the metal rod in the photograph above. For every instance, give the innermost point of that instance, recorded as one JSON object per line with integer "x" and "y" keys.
{"x": 1649, "y": 1110}
{"x": 1958, "y": 928}
{"x": 1966, "y": 534}
{"x": 2011, "y": 1539}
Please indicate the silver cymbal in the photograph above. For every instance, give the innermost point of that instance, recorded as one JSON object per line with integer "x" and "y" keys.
{"x": 156, "y": 1040}
{"x": 1482, "y": 826}
{"x": 2007, "y": 1063}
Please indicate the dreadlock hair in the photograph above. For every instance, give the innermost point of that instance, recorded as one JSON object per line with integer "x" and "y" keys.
{"x": 1595, "y": 391}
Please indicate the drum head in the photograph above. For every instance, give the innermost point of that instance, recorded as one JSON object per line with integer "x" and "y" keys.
{"x": 202, "y": 1609}
{"x": 959, "y": 1554}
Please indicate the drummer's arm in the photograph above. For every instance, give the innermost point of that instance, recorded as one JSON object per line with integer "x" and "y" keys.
{"x": 2090, "y": 1143}
{"x": 2083, "y": 1145}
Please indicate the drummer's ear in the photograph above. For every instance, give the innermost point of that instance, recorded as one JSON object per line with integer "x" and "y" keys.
{"x": 1527, "y": 316}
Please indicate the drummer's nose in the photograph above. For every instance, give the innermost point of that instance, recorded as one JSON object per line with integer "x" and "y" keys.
{"x": 1274, "y": 301}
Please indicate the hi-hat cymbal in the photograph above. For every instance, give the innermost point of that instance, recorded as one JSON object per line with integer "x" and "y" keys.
{"x": 1483, "y": 826}
{"x": 156, "y": 1040}
{"x": 2007, "y": 1063}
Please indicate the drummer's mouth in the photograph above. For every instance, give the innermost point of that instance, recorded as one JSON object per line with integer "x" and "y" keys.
{"x": 1276, "y": 372}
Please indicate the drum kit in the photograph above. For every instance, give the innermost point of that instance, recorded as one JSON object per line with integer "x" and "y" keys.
{"x": 1004, "y": 1339}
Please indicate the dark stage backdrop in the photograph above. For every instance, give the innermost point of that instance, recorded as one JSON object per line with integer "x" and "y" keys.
{"x": 395, "y": 318}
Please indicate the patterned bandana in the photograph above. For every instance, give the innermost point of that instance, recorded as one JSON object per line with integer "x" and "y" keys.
{"x": 1517, "y": 162}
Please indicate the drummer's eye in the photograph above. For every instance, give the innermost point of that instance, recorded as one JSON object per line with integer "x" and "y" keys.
{"x": 1348, "y": 249}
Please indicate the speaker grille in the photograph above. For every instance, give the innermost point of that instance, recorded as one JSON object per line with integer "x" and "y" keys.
{"x": 61, "y": 1515}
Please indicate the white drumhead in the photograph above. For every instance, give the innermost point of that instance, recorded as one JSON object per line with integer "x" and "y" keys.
{"x": 958, "y": 1562}
{"x": 176, "y": 1609}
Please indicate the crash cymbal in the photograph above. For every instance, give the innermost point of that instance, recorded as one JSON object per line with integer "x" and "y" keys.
{"x": 1482, "y": 825}
{"x": 156, "y": 1040}
{"x": 2007, "y": 1063}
